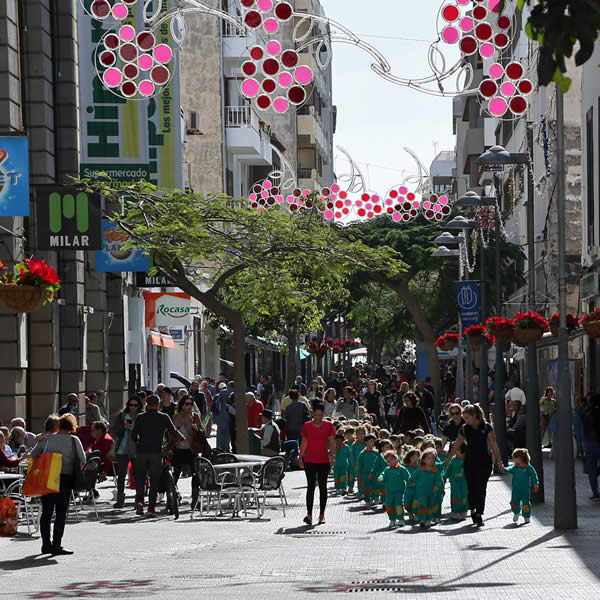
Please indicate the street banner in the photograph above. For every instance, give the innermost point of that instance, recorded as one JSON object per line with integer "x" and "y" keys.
{"x": 113, "y": 258}
{"x": 467, "y": 299}
{"x": 14, "y": 177}
{"x": 132, "y": 139}
{"x": 68, "y": 219}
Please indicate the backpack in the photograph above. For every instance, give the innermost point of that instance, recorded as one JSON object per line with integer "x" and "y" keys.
{"x": 9, "y": 517}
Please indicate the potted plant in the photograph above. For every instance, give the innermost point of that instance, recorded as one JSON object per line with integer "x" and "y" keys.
{"x": 312, "y": 347}
{"x": 476, "y": 336}
{"x": 591, "y": 323}
{"x": 572, "y": 323}
{"x": 489, "y": 338}
{"x": 31, "y": 284}
{"x": 447, "y": 342}
{"x": 529, "y": 328}
{"x": 501, "y": 329}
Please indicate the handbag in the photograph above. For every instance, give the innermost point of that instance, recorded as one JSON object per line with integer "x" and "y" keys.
{"x": 79, "y": 483}
{"x": 43, "y": 474}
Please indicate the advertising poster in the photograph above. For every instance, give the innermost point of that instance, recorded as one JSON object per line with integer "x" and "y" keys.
{"x": 113, "y": 258}
{"x": 14, "y": 177}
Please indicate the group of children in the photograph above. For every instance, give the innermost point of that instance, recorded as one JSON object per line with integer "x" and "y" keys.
{"x": 407, "y": 474}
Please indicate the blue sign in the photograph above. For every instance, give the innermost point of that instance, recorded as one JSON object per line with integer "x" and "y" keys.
{"x": 113, "y": 258}
{"x": 14, "y": 177}
{"x": 176, "y": 334}
{"x": 467, "y": 298}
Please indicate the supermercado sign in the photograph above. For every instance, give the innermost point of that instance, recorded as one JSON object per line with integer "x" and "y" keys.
{"x": 133, "y": 139}
{"x": 167, "y": 309}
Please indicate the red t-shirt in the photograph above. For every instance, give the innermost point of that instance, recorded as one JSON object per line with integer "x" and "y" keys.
{"x": 254, "y": 413}
{"x": 103, "y": 445}
{"x": 317, "y": 450}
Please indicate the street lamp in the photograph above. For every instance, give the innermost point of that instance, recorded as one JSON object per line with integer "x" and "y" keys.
{"x": 471, "y": 199}
{"x": 496, "y": 159}
{"x": 447, "y": 239}
{"x": 444, "y": 252}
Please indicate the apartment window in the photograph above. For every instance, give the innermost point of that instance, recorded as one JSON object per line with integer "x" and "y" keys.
{"x": 589, "y": 164}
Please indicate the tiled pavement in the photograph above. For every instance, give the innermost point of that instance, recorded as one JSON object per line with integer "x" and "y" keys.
{"x": 123, "y": 556}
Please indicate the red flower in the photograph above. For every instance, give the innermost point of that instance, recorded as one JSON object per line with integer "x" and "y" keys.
{"x": 440, "y": 340}
{"x": 593, "y": 316}
{"x": 495, "y": 323}
{"x": 572, "y": 322}
{"x": 531, "y": 320}
{"x": 475, "y": 330}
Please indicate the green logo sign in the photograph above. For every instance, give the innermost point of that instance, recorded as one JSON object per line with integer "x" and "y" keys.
{"x": 68, "y": 219}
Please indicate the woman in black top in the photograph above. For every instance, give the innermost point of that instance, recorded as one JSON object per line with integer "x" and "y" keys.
{"x": 482, "y": 451}
{"x": 411, "y": 416}
{"x": 374, "y": 402}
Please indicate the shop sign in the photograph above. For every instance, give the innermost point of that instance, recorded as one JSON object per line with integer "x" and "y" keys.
{"x": 14, "y": 177}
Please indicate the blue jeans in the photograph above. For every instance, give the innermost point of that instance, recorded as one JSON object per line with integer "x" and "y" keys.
{"x": 57, "y": 505}
{"x": 223, "y": 434}
{"x": 592, "y": 462}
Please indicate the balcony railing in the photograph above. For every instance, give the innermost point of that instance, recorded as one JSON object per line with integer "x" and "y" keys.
{"x": 230, "y": 30}
{"x": 241, "y": 116}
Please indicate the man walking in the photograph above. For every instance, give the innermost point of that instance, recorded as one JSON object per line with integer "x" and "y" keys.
{"x": 148, "y": 434}
{"x": 221, "y": 414}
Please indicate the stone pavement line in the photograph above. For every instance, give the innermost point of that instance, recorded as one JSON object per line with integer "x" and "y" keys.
{"x": 122, "y": 556}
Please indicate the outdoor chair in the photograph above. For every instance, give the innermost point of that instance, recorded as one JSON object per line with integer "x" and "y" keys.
{"x": 26, "y": 506}
{"x": 91, "y": 471}
{"x": 211, "y": 484}
{"x": 270, "y": 479}
{"x": 224, "y": 458}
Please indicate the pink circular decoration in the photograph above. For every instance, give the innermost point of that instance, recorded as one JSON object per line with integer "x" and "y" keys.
{"x": 265, "y": 5}
{"x": 487, "y": 50}
{"x": 250, "y": 88}
{"x": 274, "y": 48}
{"x": 285, "y": 80}
{"x": 271, "y": 25}
{"x": 494, "y": 5}
{"x": 329, "y": 214}
{"x": 280, "y": 105}
{"x": 253, "y": 197}
{"x": 264, "y": 194}
{"x": 466, "y": 24}
{"x": 146, "y": 88}
{"x": 463, "y": 2}
{"x": 267, "y": 185}
{"x": 396, "y": 217}
{"x": 497, "y": 107}
{"x": 303, "y": 75}
{"x": 496, "y": 71}
{"x": 335, "y": 188}
{"x": 426, "y": 204}
{"x": 507, "y": 89}
{"x": 162, "y": 53}
{"x": 443, "y": 200}
{"x": 145, "y": 62}
{"x": 112, "y": 77}
{"x": 279, "y": 199}
{"x": 450, "y": 34}
{"x": 127, "y": 33}
{"x": 119, "y": 11}
{"x": 415, "y": 204}
{"x": 403, "y": 190}
{"x": 306, "y": 192}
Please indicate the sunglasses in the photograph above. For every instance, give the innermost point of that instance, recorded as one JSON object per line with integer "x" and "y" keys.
{"x": 454, "y": 413}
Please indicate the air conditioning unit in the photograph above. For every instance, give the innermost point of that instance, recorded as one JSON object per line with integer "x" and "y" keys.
{"x": 194, "y": 123}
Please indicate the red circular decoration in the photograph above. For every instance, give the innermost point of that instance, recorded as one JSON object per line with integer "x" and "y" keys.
{"x": 325, "y": 191}
{"x": 446, "y": 210}
{"x": 107, "y": 59}
{"x": 390, "y": 210}
{"x": 339, "y": 204}
{"x": 501, "y": 40}
{"x": 406, "y": 206}
{"x": 518, "y": 105}
{"x": 361, "y": 212}
{"x": 468, "y": 45}
{"x": 504, "y": 22}
{"x": 249, "y": 68}
{"x": 343, "y": 195}
{"x": 410, "y": 196}
{"x": 294, "y": 207}
{"x": 289, "y": 59}
{"x": 365, "y": 197}
{"x": 131, "y": 71}
{"x": 429, "y": 214}
{"x": 514, "y": 70}
{"x": 257, "y": 53}
{"x": 405, "y": 217}
{"x": 487, "y": 88}
{"x": 253, "y": 19}
{"x": 525, "y": 86}
{"x": 450, "y": 13}
{"x": 128, "y": 88}
{"x": 248, "y": 3}
{"x": 145, "y": 40}
{"x": 264, "y": 102}
{"x": 296, "y": 95}
{"x": 128, "y": 52}
{"x": 111, "y": 41}
{"x": 160, "y": 74}
{"x": 269, "y": 86}
{"x": 483, "y": 31}
{"x": 479, "y": 13}
{"x": 433, "y": 198}
{"x": 394, "y": 194}
{"x": 270, "y": 66}
{"x": 283, "y": 11}
{"x": 100, "y": 9}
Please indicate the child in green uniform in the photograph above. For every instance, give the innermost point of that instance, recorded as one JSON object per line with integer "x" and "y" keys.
{"x": 377, "y": 469}
{"x": 355, "y": 449}
{"x": 427, "y": 482}
{"x": 394, "y": 479}
{"x": 459, "y": 493}
{"x": 439, "y": 465}
{"x": 366, "y": 461}
{"x": 340, "y": 468}
{"x": 523, "y": 477}
{"x": 412, "y": 461}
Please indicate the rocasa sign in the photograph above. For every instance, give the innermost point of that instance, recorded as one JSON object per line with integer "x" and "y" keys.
{"x": 171, "y": 309}
{"x": 68, "y": 218}
{"x": 175, "y": 312}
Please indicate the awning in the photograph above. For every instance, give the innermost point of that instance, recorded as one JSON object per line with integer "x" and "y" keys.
{"x": 162, "y": 339}
{"x": 155, "y": 338}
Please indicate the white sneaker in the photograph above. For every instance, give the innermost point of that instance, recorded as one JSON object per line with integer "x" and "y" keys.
{"x": 400, "y": 523}
{"x": 516, "y": 518}
{"x": 527, "y": 520}
{"x": 161, "y": 498}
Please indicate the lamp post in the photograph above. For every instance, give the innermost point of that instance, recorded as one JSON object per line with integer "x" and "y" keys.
{"x": 459, "y": 223}
{"x": 471, "y": 199}
{"x": 496, "y": 159}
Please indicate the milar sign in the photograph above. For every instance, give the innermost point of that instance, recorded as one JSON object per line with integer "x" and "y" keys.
{"x": 68, "y": 218}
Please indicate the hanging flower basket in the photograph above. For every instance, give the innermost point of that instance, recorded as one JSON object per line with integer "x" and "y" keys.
{"x": 591, "y": 324}
{"x": 529, "y": 328}
{"x": 501, "y": 329}
{"x": 489, "y": 338}
{"x": 476, "y": 336}
{"x": 29, "y": 286}
{"x": 572, "y": 323}
{"x": 447, "y": 342}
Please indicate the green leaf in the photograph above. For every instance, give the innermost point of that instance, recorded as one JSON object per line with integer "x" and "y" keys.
{"x": 563, "y": 81}
{"x": 521, "y": 4}
{"x": 529, "y": 30}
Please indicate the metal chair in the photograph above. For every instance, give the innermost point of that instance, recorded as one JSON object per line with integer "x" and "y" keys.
{"x": 91, "y": 471}
{"x": 224, "y": 458}
{"x": 270, "y": 479}
{"x": 25, "y": 505}
{"x": 224, "y": 484}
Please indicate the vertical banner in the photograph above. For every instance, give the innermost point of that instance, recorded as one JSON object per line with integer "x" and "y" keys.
{"x": 14, "y": 177}
{"x": 128, "y": 139}
{"x": 467, "y": 299}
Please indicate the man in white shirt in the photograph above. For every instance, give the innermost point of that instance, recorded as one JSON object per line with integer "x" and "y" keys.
{"x": 516, "y": 394}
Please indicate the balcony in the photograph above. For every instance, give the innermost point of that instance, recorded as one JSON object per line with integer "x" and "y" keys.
{"x": 308, "y": 179}
{"x": 245, "y": 137}
{"x": 236, "y": 43}
{"x": 309, "y": 126}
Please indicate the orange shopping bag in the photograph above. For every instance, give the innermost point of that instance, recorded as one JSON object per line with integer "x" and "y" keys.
{"x": 43, "y": 474}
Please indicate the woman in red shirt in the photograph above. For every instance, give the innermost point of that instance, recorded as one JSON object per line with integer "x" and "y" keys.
{"x": 317, "y": 454}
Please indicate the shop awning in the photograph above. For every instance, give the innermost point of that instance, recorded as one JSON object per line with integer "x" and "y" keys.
{"x": 162, "y": 339}
{"x": 155, "y": 338}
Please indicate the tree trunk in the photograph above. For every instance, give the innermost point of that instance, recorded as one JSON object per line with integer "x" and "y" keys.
{"x": 290, "y": 375}
{"x": 433, "y": 360}
{"x": 239, "y": 378}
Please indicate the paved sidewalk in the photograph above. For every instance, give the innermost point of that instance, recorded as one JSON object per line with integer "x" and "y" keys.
{"x": 124, "y": 556}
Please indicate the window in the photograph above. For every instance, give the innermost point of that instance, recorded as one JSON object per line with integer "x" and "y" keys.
{"x": 589, "y": 165}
